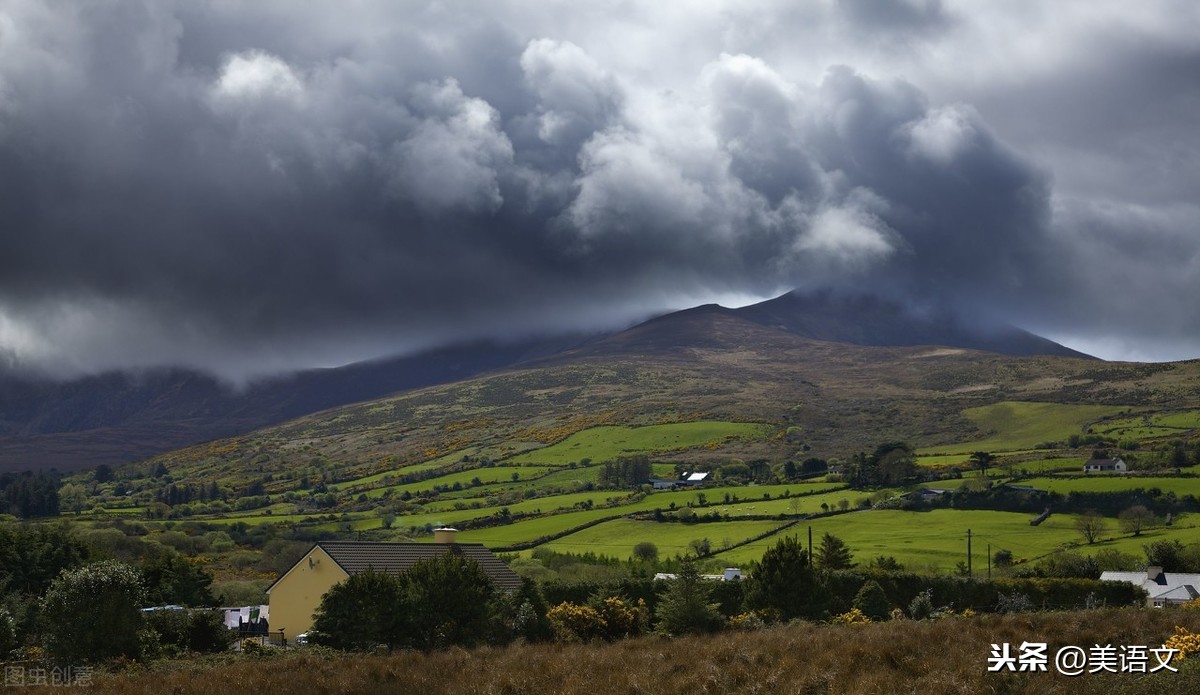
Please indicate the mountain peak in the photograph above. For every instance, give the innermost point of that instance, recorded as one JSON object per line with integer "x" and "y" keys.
{"x": 871, "y": 320}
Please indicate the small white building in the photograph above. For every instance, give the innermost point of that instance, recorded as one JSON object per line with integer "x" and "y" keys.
{"x": 731, "y": 574}
{"x": 1104, "y": 466}
{"x": 1162, "y": 588}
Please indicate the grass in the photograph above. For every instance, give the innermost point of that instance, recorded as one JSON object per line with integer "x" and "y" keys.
{"x": 1106, "y": 483}
{"x": 489, "y": 475}
{"x": 617, "y": 538}
{"x": 608, "y": 442}
{"x": 532, "y": 529}
{"x": 937, "y": 538}
{"x": 1014, "y": 425}
{"x": 941, "y": 656}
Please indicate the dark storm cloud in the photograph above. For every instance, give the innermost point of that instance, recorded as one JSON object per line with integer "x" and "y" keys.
{"x": 256, "y": 188}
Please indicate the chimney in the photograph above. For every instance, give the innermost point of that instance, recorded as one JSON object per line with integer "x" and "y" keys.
{"x": 444, "y": 534}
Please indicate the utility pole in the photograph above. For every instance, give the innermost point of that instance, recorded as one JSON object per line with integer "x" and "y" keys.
{"x": 989, "y": 558}
{"x": 810, "y": 557}
{"x": 968, "y": 552}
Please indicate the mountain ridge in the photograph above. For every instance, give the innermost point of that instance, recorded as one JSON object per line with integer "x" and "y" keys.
{"x": 118, "y": 417}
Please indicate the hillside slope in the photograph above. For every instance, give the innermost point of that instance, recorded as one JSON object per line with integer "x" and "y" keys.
{"x": 840, "y": 398}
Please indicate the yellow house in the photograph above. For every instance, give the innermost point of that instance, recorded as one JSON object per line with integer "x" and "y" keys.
{"x": 295, "y": 596}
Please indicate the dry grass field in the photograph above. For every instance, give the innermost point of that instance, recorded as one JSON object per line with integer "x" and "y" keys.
{"x": 941, "y": 656}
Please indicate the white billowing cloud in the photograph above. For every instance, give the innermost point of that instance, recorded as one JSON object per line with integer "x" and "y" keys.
{"x": 943, "y": 133}
{"x": 575, "y": 95}
{"x": 258, "y": 75}
{"x": 453, "y": 157}
{"x": 847, "y": 234}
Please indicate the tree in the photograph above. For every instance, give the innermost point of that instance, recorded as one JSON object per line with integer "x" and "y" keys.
{"x": 72, "y": 497}
{"x": 684, "y": 607}
{"x": 367, "y": 609}
{"x": 886, "y": 563}
{"x": 93, "y": 613}
{"x": 645, "y": 552}
{"x": 450, "y": 597}
{"x": 790, "y": 471}
{"x": 1136, "y": 519}
{"x": 784, "y": 584}
{"x": 104, "y": 473}
{"x": 981, "y": 460}
{"x": 522, "y": 614}
{"x": 1002, "y": 558}
{"x": 172, "y": 578}
{"x": 833, "y": 554}
{"x": 31, "y": 557}
{"x": 872, "y": 601}
{"x": 1165, "y": 554}
{"x": 1090, "y": 525}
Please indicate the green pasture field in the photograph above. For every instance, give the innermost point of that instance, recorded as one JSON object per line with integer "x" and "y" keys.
{"x": 532, "y": 529}
{"x": 944, "y": 460}
{"x": 617, "y": 538}
{"x": 793, "y": 505}
{"x": 1115, "y": 483}
{"x": 547, "y": 503}
{"x": 1067, "y": 463}
{"x": 1164, "y": 424}
{"x": 266, "y": 518}
{"x": 488, "y": 475}
{"x": 1019, "y": 425}
{"x": 928, "y": 540}
{"x": 1188, "y": 419}
{"x": 606, "y": 443}
{"x": 1184, "y": 530}
{"x": 443, "y": 514}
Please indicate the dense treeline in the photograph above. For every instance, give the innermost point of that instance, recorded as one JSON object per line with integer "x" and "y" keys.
{"x": 626, "y": 471}
{"x": 28, "y": 495}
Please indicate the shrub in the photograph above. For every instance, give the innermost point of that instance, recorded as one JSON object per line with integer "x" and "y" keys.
{"x": 366, "y": 609}
{"x": 747, "y": 621}
{"x": 93, "y": 613}
{"x": 1015, "y": 602}
{"x": 608, "y": 618}
{"x": 575, "y": 623}
{"x": 522, "y": 615}
{"x": 921, "y": 607}
{"x": 8, "y": 633}
{"x": 872, "y": 601}
{"x": 851, "y": 617}
{"x": 1188, "y": 643}
{"x": 207, "y": 632}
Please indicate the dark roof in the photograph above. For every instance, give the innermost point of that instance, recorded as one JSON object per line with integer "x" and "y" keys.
{"x": 357, "y": 556}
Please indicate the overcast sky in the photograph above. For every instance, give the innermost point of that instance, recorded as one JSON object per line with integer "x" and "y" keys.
{"x": 256, "y": 186}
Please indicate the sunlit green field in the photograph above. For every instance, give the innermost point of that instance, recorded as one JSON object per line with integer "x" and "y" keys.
{"x": 1113, "y": 483}
{"x": 617, "y": 538}
{"x": 936, "y": 538}
{"x": 485, "y": 476}
{"x": 1019, "y": 425}
{"x": 1165, "y": 424}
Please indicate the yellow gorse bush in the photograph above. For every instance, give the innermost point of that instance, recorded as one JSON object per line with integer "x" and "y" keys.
{"x": 851, "y": 617}
{"x": 1187, "y": 642}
